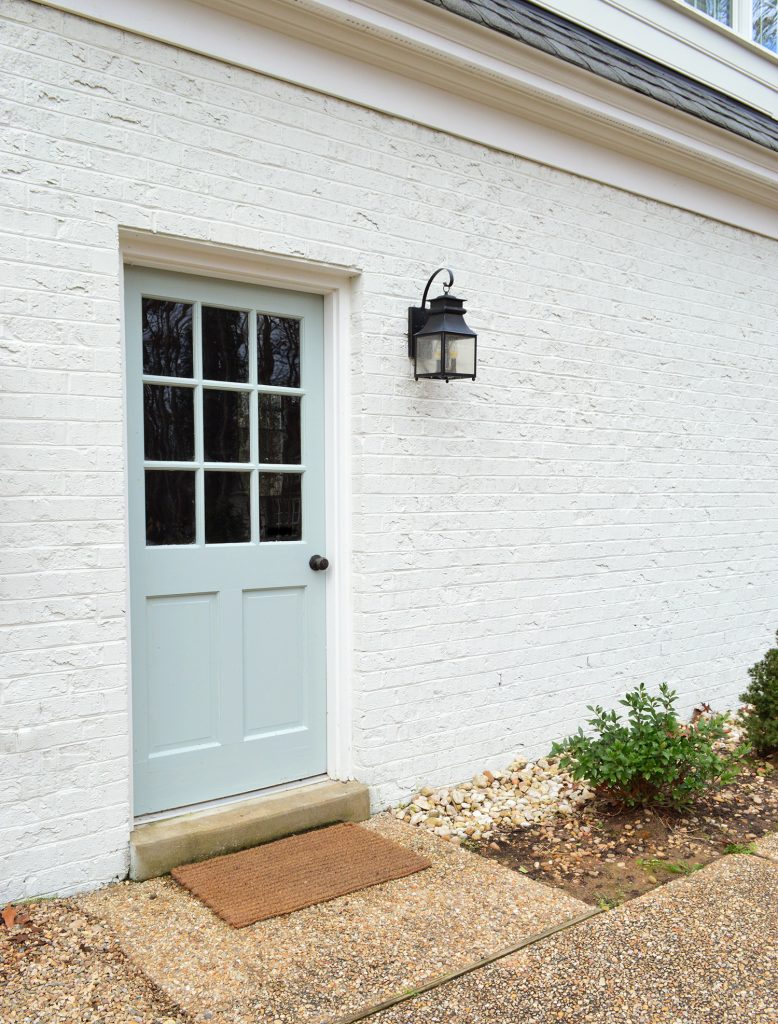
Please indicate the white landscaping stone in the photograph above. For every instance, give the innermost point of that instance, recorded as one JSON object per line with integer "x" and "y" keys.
{"x": 523, "y": 794}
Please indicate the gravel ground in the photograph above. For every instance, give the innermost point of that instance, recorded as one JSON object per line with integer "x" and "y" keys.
{"x": 324, "y": 961}
{"x": 700, "y": 950}
{"x": 703, "y": 950}
{"x": 526, "y": 793}
{"x": 63, "y": 968}
{"x": 768, "y": 846}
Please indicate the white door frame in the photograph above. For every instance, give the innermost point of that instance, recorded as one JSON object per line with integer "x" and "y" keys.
{"x": 334, "y": 283}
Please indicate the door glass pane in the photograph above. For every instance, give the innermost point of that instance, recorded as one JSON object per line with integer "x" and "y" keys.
{"x": 766, "y": 23}
{"x": 170, "y": 506}
{"x": 167, "y": 338}
{"x": 225, "y": 344}
{"x": 168, "y": 423}
{"x": 225, "y": 425}
{"x": 279, "y": 429}
{"x": 278, "y": 351}
{"x": 280, "y": 506}
{"x": 227, "y": 508}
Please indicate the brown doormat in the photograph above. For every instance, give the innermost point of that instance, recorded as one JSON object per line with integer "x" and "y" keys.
{"x": 296, "y": 872}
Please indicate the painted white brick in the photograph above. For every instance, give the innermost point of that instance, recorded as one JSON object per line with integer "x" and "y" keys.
{"x": 595, "y": 510}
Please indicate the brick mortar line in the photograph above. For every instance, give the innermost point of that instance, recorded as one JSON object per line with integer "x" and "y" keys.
{"x": 125, "y": 126}
{"x": 442, "y": 979}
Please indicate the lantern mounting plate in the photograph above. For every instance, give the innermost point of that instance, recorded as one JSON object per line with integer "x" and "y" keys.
{"x": 419, "y": 315}
{"x": 417, "y": 318}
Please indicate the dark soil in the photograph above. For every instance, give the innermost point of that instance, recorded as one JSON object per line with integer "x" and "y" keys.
{"x": 605, "y": 855}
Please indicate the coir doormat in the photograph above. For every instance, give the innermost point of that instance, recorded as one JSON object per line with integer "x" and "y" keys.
{"x": 296, "y": 872}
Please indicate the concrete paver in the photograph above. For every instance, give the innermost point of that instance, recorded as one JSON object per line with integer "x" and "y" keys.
{"x": 319, "y": 963}
{"x": 700, "y": 950}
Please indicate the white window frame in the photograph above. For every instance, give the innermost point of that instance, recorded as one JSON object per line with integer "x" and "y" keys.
{"x": 742, "y": 20}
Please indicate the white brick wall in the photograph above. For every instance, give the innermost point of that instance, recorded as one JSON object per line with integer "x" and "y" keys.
{"x": 597, "y": 509}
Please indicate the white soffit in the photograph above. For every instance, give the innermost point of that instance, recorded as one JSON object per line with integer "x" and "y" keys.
{"x": 412, "y": 60}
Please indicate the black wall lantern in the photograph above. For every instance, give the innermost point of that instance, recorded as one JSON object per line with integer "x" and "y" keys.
{"x": 440, "y": 343}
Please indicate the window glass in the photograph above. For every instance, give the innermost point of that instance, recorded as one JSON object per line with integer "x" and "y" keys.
{"x": 280, "y": 506}
{"x": 168, "y": 423}
{"x": 167, "y": 338}
{"x": 227, "y": 508}
{"x": 765, "y": 22}
{"x": 279, "y": 429}
{"x": 170, "y": 507}
{"x": 225, "y": 425}
{"x": 225, "y": 344}
{"x": 721, "y": 10}
{"x": 278, "y": 350}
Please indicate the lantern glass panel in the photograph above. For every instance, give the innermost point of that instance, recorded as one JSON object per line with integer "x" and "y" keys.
{"x": 460, "y": 354}
{"x": 428, "y": 347}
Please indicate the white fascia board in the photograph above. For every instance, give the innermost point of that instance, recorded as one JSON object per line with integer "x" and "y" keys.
{"x": 411, "y": 60}
{"x": 676, "y": 35}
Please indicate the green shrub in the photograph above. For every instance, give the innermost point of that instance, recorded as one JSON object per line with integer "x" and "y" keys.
{"x": 652, "y": 758}
{"x": 761, "y": 717}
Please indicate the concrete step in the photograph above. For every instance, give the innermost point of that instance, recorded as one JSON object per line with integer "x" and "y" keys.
{"x": 158, "y": 846}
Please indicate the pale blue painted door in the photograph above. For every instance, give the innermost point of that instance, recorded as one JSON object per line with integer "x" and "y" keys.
{"x": 225, "y": 389}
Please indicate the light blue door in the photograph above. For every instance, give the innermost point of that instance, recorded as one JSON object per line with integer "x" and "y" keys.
{"x": 226, "y": 485}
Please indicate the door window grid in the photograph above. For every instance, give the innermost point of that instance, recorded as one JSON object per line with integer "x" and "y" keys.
{"x": 199, "y": 466}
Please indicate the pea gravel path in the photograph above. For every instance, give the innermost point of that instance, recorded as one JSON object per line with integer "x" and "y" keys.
{"x": 322, "y": 962}
{"x": 768, "y": 847}
{"x": 68, "y": 969}
{"x": 700, "y": 950}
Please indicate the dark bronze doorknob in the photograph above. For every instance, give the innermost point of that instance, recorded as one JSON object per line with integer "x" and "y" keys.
{"x": 318, "y": 563}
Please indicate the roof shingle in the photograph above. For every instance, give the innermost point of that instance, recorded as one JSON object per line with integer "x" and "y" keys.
{"x": 577, "y": 45}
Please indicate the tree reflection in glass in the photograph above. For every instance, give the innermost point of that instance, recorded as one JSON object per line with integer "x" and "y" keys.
{"x": 721, "y": 10}
{"x": 168, "y": 423}
{"x": 280, "y": 506}
{"x": 278, "y": 351}
{"x": 167, "y": 338}
{"x": 170, "y": 506}
{"x": 226, "y": 425}
{"x": 279, "y": 429}
{"x": 225, "y": 344}
{"x": 227, "y": 508}
{"x": 765, "y": 23}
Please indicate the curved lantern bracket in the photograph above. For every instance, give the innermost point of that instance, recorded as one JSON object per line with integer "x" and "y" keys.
{"x": 446, "y": 287}
{"x": 417, "y": 315}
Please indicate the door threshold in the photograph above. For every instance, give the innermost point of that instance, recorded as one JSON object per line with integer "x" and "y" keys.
{"x": 158, "y": 846}
{"x": 226, "y": 801}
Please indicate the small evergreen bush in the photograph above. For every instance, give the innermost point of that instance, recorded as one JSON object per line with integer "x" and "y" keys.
{"x": 761, "y": 716}
{"x": 652, "y": 758}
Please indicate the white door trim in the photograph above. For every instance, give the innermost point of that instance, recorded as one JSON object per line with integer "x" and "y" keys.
{"x": 334, "y": 283}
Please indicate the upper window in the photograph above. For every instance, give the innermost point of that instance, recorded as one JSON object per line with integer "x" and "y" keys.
{"x": 721, "y": 10}
{"x": 755, "y": 19}
{"x": 765, "y": 23}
